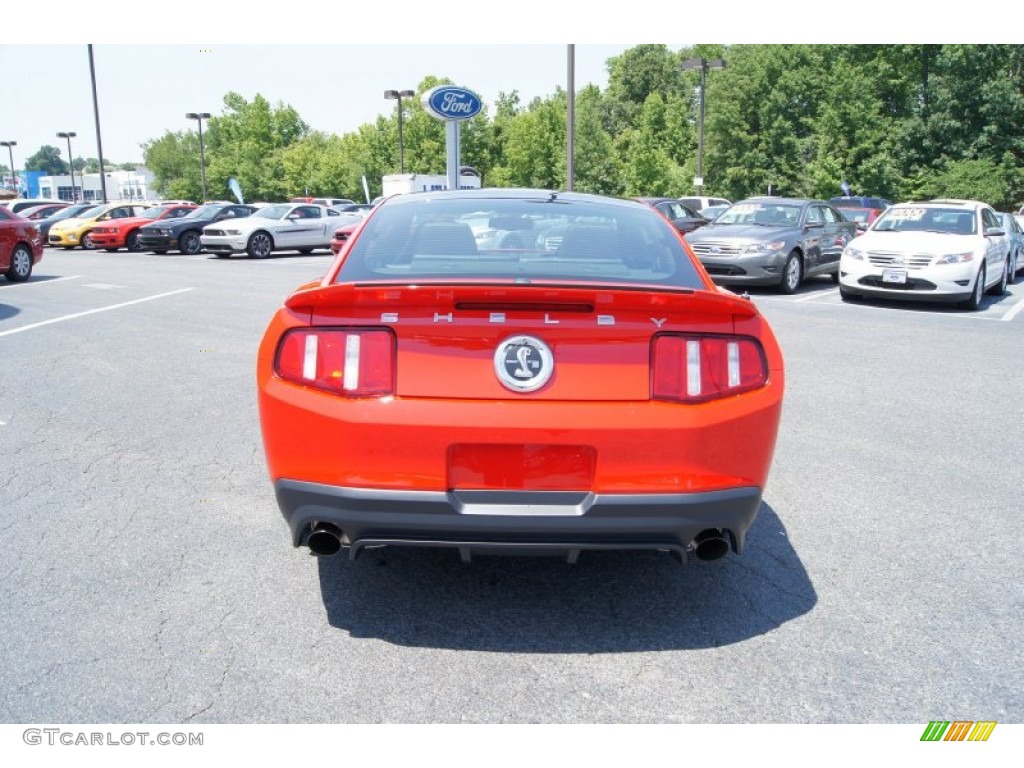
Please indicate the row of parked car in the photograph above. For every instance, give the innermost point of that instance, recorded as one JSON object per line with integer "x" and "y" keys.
{"x": 303, "y": 224}
{"x": 940, "y": 250}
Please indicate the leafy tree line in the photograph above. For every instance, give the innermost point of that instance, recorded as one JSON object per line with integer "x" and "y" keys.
{"x": 899, "y": 121}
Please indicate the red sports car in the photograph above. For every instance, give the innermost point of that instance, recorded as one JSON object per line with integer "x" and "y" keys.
{"x": 124, "y": 233}
{"x": 864, "y": 217}
{"x": 21, "y": 246}
{"x": 520, "y": 371}
{"x": 40, "y": 212}
{"x": 341, "y": 236}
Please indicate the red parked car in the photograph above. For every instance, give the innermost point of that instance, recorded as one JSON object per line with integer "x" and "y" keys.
{"x": 864, "y": 217}
{"x": 124, "y": 233}
{"x": 448, "y": 384}
{"x": 21, "y": 246}
{"x": 341, "y": 236}
{"x": 39, "y": 212}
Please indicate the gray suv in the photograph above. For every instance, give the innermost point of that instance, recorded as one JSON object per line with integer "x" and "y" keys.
{"x": 774, "y": 241}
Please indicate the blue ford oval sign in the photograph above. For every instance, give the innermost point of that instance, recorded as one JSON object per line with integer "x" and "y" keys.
{"x": 448, "y": 102}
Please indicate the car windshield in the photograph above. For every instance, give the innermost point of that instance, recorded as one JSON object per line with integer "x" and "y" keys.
{"x": 534, "y": 240}
{"x": 761, "y": 212}
{"x": 909, "y": 218}
{"x": 85, "y": 213}
{"x": 273, "y": 211}
{"x": 205, "y": 211}
{"x": 67, "y": 213}
{"x": 155, "y": 212}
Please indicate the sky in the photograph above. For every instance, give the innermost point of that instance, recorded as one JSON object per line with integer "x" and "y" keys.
{"x": 332, "y": 61}
{"x": 144, "y": 91}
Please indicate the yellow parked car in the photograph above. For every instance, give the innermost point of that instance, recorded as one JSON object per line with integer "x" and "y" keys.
{"x": 74, "y": 232}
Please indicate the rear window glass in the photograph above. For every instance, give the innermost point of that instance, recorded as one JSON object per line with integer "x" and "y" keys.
{"x": 537, "y": 240}
{"x": 856, "y": 214}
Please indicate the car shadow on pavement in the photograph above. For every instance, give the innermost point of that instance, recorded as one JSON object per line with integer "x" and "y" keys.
{"x": 608, "y": 602}
{"x": 935, "y": 307}
{"x": 6, "y": 311}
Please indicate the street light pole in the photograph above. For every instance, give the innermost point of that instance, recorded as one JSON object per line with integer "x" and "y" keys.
{"x": 570, "y": 134}
{"x": 199, "y": 117}
{"x": 9, "y": 144}
{"x": 401, "y": 148}
{"x": 703, "y": 65}
{"x": 99, "y": 138}
{"x": 69, "y": 135}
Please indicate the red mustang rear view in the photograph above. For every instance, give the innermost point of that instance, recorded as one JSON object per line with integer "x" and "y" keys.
{"x": 519, "y": 371}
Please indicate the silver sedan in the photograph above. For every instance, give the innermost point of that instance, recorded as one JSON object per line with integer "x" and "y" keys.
{"x": 773, "y": 241}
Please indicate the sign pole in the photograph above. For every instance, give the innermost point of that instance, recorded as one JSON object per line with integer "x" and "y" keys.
{"x": 452, "y": 128}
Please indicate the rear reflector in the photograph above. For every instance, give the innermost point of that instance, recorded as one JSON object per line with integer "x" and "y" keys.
{"x": 353, "y": 362}
{"x": 700, "y": 368}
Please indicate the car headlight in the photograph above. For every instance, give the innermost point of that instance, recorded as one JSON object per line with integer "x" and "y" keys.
{"x": 233, "y": 232}
{"x": 956, "y": 258}
{"x": 774, "y": 245}
{"x": 853, "y": 253}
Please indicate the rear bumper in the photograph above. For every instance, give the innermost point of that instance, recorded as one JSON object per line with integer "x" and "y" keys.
{"x": 518, "y": 521}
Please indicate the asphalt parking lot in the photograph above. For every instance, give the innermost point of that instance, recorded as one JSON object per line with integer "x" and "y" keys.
{"x": 149, "y": 577}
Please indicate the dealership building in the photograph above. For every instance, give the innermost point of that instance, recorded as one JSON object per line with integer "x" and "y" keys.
{"x": 121, "y": 185}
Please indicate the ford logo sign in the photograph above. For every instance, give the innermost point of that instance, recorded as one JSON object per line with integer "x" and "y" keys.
{"x": 448, "y": 102}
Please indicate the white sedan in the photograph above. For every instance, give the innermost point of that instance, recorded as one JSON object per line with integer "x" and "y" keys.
{"x": 942, "y": 250}
{"x": 284, "y": 227}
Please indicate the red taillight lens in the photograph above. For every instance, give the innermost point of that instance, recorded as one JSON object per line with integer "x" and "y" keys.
{"x": 699, "y": 368}
{"x": 350, "y": 362}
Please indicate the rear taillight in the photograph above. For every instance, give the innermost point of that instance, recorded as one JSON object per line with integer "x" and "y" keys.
{"x": 698, "y": 368}
{"x": 351, "y": 362}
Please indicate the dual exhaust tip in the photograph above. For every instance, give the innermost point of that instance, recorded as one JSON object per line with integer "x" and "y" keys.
{"x": 324, "y": 541}
{"x": 709, "y": 544}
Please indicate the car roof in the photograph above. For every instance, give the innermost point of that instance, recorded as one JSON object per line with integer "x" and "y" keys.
{"x": 970, "y": 205}
{"x": 951, "y": 201}
{"x": 790, "y": 200}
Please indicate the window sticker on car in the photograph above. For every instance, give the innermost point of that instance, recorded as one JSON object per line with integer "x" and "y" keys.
{"x": 910, "y": 214}
{"x": 746, "y": 208}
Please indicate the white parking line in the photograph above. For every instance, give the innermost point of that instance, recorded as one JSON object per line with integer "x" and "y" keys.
{"x": 1014, "y": 311}
{"x": 45, "y": 282}
{"x": 813, "y": 296}
{"x": 93, "y": 311}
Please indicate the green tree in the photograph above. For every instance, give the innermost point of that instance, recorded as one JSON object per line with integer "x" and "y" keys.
{"x": 596, "y": 168}
{"x": 48, "y": 160}
{"x": 535, "y": 148}
{"x": 174, "y": 161}
{"x": 247, "y": 143}
{"x": 979, "y": 179}
{"x": 649, "y": 169}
